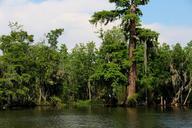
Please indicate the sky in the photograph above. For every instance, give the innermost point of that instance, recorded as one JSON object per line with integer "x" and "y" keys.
{"x": 171, "y": 19}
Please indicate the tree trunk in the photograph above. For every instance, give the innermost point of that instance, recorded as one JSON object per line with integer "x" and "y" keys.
{"x": 40, "y": 93}
{"x": 132, "y": 46}
{"x": 126, "y": 96}
{"x": 187, "y": 97}
{"x": 145, "y": 67}
{"x": 132, "y": 72}
{"x": 162, "y": 103}
{"x": 89, "y": 89}
{"x": 145, "y": 57}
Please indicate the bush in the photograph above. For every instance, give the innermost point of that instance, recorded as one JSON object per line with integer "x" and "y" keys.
{"x": 54, "y": 100}
{"x": 132, "y": 101}
{"x": 83, "y": 103}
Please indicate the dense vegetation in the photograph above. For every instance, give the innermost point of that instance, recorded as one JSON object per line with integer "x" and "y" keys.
{"x": 128, "y": 12}
{"x": 41, "y": 73}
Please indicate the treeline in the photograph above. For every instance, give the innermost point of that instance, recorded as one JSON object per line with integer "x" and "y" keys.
{"x": 41, "y": 73}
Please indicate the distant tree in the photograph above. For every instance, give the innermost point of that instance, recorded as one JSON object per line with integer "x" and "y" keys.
{"x": 53, "y": 36}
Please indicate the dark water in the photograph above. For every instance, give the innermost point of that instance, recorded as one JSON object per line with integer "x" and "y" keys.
{"x": 96, "y": 117}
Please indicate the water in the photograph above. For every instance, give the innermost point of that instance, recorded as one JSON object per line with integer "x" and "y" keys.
{"x": 96, "y": 117}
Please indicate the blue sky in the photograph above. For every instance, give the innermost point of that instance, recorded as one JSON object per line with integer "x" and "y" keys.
{"x": 171, "y": 19}
{"x": 168, "y": 12}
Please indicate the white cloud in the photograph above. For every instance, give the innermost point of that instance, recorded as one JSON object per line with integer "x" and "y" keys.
{"x": 73, "y": 16}
{"x": 172, "y": 34}
{"x": 39, "y": 18}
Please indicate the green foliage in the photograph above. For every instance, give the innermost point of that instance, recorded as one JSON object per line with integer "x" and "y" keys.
{"x": 36, "y": 73}
{"x": 128, "y": 12}
{"x": 55, "y": 101}
{"x": 124, "y": 11}
{"x": 52, "y": 37}
{"x": 82, "y": 103}
{"x": 81, "y": 65}
{"x": 132, "y": 101}
{"x": 112, "y": 63}
{"x": 29, "y": 73}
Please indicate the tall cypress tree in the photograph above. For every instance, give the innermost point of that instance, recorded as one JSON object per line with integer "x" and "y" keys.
{"x": 129, "y": 13}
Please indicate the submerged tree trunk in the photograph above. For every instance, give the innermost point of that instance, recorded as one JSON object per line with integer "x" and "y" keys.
{"x": 132, "y": 46}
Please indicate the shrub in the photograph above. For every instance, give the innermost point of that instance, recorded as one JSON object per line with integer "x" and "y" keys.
{"x": 54, "y": 100}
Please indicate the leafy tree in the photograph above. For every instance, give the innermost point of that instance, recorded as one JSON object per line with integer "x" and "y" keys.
{"x": 81, "y": 65}
{"x": 160, "y": 70}
{"x": 149, "y": 40}
{"x": 128, "y": 11}
{"x": 110, "y": 75}
{"x": 52, "y": 37}
{"x": 29, "y": 73}
{"x": 14, "y": 76}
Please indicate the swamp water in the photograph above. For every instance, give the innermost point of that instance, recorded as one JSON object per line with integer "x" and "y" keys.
{"x": 96, "y": 117}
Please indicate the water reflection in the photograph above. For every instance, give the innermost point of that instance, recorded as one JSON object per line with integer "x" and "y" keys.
{"x": 96, "y": 117}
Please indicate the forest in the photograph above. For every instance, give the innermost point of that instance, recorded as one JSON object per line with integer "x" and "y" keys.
{"x": 129, "y": 68}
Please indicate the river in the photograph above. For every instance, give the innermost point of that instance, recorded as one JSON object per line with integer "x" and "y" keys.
{"x": 96, "y": 117}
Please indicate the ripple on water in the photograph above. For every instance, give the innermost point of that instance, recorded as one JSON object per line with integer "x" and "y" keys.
{"x": 95, "y": 118}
